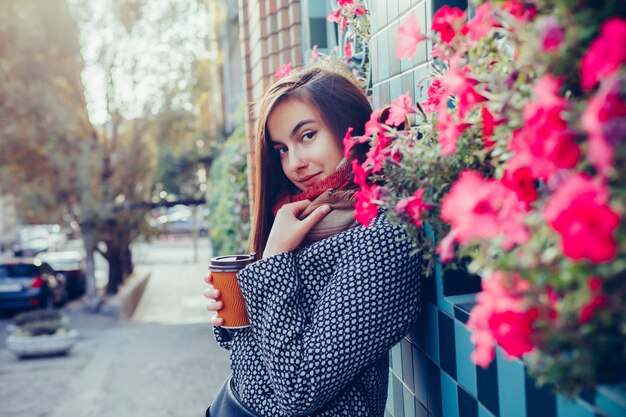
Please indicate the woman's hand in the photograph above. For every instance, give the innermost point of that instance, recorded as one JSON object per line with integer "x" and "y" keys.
{"x": 288, "y": 230}
{"x": 213, "y": 294}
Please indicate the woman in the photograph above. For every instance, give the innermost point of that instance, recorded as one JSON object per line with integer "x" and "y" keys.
{"x": 328, "y": 298}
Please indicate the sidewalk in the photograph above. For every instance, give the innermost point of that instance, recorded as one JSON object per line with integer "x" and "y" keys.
{"x": 162, "y": 362}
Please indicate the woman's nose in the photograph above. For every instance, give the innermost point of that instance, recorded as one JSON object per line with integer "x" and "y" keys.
{"x": 296, "y": 161}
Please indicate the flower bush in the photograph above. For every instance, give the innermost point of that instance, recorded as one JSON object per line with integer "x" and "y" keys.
{"x": 517, "y": 164}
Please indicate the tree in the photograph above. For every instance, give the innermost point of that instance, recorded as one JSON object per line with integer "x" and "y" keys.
{"x": 85, "y": 150}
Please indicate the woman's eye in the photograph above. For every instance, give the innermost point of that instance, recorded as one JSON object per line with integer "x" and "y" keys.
{"x": 281, "y": 151}
{"x": 308, "y": 136}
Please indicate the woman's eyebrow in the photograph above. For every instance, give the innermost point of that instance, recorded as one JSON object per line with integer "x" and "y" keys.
{"x": 299, "y": 125}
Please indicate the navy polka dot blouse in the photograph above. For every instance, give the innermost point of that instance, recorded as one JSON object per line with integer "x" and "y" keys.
{"x": 322, "y": 322}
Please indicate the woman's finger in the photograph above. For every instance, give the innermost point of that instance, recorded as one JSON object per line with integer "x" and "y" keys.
{"x": 315, "y": 217}
{"x": 208, "y": 278}
{"x": 216, "y": 321}
{"x": 214, "y": 306}
{"x": 211, "y": 292}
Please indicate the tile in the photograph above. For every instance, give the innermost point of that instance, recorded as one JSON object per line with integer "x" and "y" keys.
{"x": 385, "y": 98}
{"x": 468, "y": 406}
{"x": 373, "y": 52}
{"x": 395, "y": 87}
{"x": 417, "y": 333}
{"x": 612, "y": 401}
{"x": 432, "y": 332}
{"x": 403, "y": 6}
{"x": 388, "y": 414}
{"x": 392, "y": 41}
{"x": 483, "y": 412}
{"x": 511, "y": 386}
{"x": 381, "y": 15}
{"x": 396, "y": 359}
{"x": 389, "y": 404}
{"x": 408, "y": 403}
{"x": 447, "y": 346}
{"x": 398, "y": 397}
{"x": 374, "y": 7}
{"x": 420, "y": 75}
{"x": 407, "y": 364}
{"x": 572, "y": 408}
{"x": 458, "y": 281}
{"x": 487, "y": 384}
{"x": 449, "y": 396}
{"x": 462, "y": 4}
{"x": 407, "y": 83}
{"x": 392, "y": 10}
{"x": 540, "y": 401}
{"x": 434, "y": 388}
{"x": 422, "y": 53}
{"x": 383, "y": 58}
{"x": 420, "y": 410}
{"x": 420, "y": 375}
{"x": 465, "y": 368}
{"x": 442, "y": 303}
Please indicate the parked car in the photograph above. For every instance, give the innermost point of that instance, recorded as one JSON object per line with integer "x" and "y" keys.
{"x": 30, "y": 283}
{"x": 72, "y": 265}
{"x": 180, "y": 223}
{"x": 37, "y": 238}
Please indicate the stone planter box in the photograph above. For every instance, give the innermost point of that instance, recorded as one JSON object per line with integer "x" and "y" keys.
{"x": 45, "y": 345}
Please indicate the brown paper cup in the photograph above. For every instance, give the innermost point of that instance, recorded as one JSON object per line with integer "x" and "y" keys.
{"x": 224, "y": 272}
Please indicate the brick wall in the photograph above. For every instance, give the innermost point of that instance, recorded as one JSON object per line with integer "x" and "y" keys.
{"x": 431, "y": 373}
{"x": 270, "y": 34}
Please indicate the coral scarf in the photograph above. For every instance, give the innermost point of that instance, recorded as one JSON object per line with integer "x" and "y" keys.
{"x": 338, "y": 192}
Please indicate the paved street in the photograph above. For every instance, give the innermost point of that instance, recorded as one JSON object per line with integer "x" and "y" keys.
{"x": 162, "y": 362}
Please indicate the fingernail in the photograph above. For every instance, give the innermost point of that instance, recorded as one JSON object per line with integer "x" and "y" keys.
{"x": 325, "y": 208}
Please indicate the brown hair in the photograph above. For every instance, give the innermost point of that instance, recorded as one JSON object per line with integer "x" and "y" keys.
{"x": 341, "y": 104}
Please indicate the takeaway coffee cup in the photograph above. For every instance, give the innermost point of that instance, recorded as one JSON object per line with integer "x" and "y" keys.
{"x": 224, "y": 272}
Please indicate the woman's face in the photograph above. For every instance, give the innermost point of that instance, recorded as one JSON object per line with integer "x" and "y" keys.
{"x": 308, "y": 149}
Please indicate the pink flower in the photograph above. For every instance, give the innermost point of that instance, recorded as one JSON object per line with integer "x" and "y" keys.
{"x": 544, "y": 143}
{"x": 449, "y": 130}
{"x": 482, "y": 23}
{"x": 458, "y": 81}
{"x": 579, "y": 212}
{"x": 344, "y": 3}
{"x": 605, "y": 54}
{"x": 360, "y": 173}
{"x": 484, "y": 209}
{"x": 551, "y": 34}
{"x": 605, "y": 109}
{"x": 348, "y": 50}
{"x": 523, "y": 11}
{"x": 409, "y": 36}
{"x": 488, "y": 127}
{"x": 366, "y": 208}
{"x": 500, "y": 316}
{"x": 522, "y": 182}
{"x": 435, "y": 94}
{"x": 336, "y": 17}
{"x": 377, "y": 154}
{"x": 283, "y": 71}
{"x": 373, "y": 125}
{"x": 414, "y": 206}
{"x": 596, "y": 301}
{"x": 314, "y": 53}
{"x": 400, "y": 107}
{"x": 448, "y": 21}
{"x": 348, "y": 142}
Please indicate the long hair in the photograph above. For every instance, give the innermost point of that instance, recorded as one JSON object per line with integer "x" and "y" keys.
{"x": 341, "y": 104}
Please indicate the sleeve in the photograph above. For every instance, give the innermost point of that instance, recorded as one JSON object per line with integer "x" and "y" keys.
{"x": 224, "y": 337}
{"x": 367, "y": 307}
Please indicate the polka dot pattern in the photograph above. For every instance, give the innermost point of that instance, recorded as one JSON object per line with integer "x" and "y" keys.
{"x": 322, "y": 322}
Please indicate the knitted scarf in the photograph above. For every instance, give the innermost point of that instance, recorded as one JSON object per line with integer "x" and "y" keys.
{"x": 337, "y": 190}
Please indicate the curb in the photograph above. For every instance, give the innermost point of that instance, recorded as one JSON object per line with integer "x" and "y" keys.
{"x": 123, "y": 304}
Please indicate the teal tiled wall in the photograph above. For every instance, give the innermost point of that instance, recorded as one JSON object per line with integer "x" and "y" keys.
{"x": 431, "y": 372}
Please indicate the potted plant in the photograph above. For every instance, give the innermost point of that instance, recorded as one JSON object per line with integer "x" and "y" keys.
{"x": 517, "y": 163}
{"x": 40, "y": 333}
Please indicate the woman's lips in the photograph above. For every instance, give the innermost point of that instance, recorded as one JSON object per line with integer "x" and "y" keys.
{"x": 309, "y": 179}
